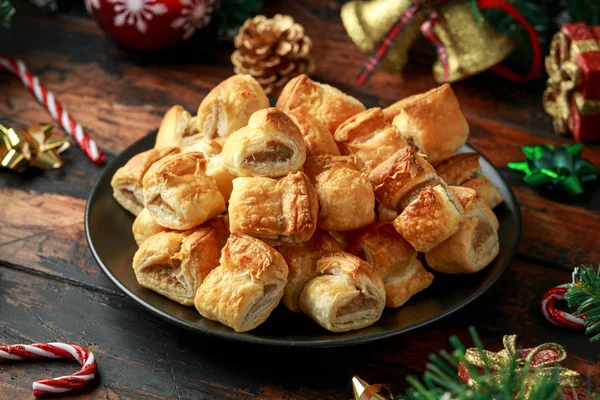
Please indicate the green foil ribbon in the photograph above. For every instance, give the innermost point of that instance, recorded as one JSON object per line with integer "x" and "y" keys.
{"x": 556, "y": 167}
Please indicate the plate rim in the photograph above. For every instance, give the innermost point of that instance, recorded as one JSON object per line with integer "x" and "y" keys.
{"x": 294, "y": 343}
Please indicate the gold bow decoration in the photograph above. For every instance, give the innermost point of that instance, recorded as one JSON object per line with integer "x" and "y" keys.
{"x": 364, "y": 391}
{"x": 496, "y": 361}
{"x": 36, "y": 146}
{"x": 563, "y": 76}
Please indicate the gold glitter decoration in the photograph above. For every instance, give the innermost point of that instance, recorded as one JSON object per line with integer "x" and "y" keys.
{"x": 563, "y": 74}
{"x": 496, "y": 361}
{"x": 368, "y": 22}
{"x": 363, "y": 391}
{"x": 472, "y": 46}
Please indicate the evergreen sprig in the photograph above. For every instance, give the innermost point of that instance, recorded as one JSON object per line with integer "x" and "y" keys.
{"x": 6, "y": 12}
{"x": 584, "y": 293}
{"x": 511, "y": 381}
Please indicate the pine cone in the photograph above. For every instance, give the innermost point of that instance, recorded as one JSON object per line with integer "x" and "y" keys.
{"x": 272, "y": 50}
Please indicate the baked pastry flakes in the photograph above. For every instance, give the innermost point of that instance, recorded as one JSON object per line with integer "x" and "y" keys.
{"x": 224, "y": 179}
{"x": 178, "y": 193}
{"x": 302, "y": 260}
{"x": 464, "y": 170}
{"x": 270, "y": 145}
{"x": 127, "y": 182}
{"x": 279, "y": 211}
{"x": 174, "y": 264}
{"x": 394, "y": 259}
{"x": 428, "y": 210}
{"x": 329, "y": 105}
{"x": 348, "y": 294}
{"x": 475, "y": 244}
{"x": 246, "y": 286}
{"x": 385, "y": 214}
{"x": 229, "y": 105}
{"x": 433, "y": 124}
{"x": 176, "y": 125}
{"x": 317, "y": 137}
{"x": 345, "y": 194}
{"x": 145, "y": 226}
{"x": 369, "y": 137}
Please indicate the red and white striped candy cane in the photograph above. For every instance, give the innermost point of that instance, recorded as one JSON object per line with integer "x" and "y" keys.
{"x": 54, "y": 107}
{"x": 61, "y": 384}
{"x": 556, "y": 316}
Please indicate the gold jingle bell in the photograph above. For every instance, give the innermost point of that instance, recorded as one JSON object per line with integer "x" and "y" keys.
{"x": 472, "y": 46}
{"x": 368, "y": 22}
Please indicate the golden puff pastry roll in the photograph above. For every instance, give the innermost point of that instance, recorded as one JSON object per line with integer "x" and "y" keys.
{"x": 394, "y": 259}
{"x": 434, "y": 215}
{"x": 399, "y": 179}
{"x": 224, "y": 179}
{"x": 209, "y": 147}
{"x": 229, "y": 105}
{"x": 475, "y": 244}
{"x": 174, "y": 264}
{"x": 348, "y": 294}
{"x": 369, "y": 137}
{"x": 317, "y": 137}
{"x": 433, "y": 124}
{"x": 329, "y": 105}
{"x": 127, "y": 182}
{"x": 270, "y": 145}
{"x": 464, "y": 170}
{"x": 391, "y": 111}
{"x": 345, "y": 194}
{"x": 345, "y": 238}
{"x": 278, "y": 211}
{"x": 302, "y": 263}
{"x": 246, "y": 286}
{"x": 179, "y": 194}
{"x": 176, "y": 124}
{"x": 145, "y": 226}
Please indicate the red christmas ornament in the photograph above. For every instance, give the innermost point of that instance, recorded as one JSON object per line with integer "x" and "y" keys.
{"x": 151, "y": 24}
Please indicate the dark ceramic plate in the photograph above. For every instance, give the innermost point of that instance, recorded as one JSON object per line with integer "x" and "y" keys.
{"x": 108, "y": 231}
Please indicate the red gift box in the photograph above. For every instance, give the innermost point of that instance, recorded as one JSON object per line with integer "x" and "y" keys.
{"x": 572, "y": 95}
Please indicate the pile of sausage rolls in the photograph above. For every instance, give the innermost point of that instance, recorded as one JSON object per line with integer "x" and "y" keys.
{"x": 317, "y": 203}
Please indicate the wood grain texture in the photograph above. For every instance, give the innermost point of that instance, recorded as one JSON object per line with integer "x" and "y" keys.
{"x": 51, "y": 289}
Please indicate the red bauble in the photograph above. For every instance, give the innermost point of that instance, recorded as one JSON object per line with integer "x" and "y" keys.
{"x": 151, "y": 24}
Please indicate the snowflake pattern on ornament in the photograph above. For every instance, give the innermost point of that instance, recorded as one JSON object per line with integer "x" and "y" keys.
{"x": 136, "y": 12}
{"x": 90, "y": 5}
{"x": 195, "y": 14}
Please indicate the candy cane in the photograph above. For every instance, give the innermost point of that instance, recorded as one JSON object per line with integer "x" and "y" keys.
{"x": 552, "y": 314}
{"x": 54, "y": 107}
{"x": 61, "y": 384}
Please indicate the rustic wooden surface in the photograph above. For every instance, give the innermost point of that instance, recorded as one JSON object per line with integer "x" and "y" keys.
{"x": 52, "y": 290}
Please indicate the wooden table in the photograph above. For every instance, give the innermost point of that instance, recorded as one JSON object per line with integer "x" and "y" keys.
{"x": 52, "y": 290}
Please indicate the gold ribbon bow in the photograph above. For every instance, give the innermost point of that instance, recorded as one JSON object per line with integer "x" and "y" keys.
{"x": 37, "y": 146}
{"x": 503, "y": 358}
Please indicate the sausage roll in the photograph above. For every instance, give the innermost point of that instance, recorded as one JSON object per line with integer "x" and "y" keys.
{"x": 174, "y": 264}
{"x": 179, "y": 194}
{"x": 229, "y": 105}
{"x": 302, "y": 263}
{"x": 464, "y": 170}
{"x": 145, "y": 226}
{"x": 329, "y": 105}
{"x": 369, "y": 137}
{"x": 345, "y": 238}
{"x": 246, "y": 286}
{"x": 278, "y": 211}
{"x": 175, "y": 125}
{"x": 475, "y": 244}
{"x": 345, "y": 194}
{"x": 224, "y": 179}
{"x": 209, "y": 147}
{"x": 394, "y": 259}
{"x": 348, "y": 294}
{"x": 127, "y": 182}
{"x": 385, "y": 214}
{"x": 433, "y": 124}
{"x": 391, "y": 111}
{"x": 317, "y": 137}
{"x": 270, "y": 145}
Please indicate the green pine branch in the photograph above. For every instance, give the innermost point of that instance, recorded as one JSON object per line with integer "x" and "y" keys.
{"x": 6, "y": 12}
{"x": 584, "y": 293}
{"x": 511, "y": 381}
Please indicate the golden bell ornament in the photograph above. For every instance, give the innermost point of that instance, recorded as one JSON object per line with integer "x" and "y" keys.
{"x": 367, "y": 22}
{"x": 472, "y": 46}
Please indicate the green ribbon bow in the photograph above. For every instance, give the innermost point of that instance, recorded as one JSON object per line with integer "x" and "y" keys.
{"x": 556, "y": 166}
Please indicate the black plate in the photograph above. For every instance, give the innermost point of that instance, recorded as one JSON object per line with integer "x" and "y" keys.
{"x": 108, "y": 231}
